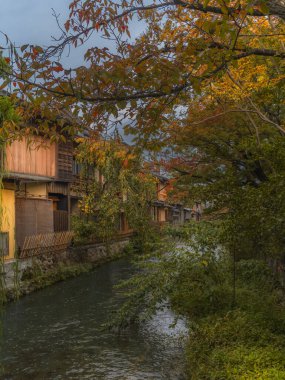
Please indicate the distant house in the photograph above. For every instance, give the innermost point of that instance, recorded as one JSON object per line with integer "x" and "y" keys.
{"x": 160, "y": 208}
{"x": 177, "y": 213}
{"x": 163, "y": 210}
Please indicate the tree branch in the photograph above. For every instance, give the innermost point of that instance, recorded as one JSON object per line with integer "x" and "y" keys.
{"x": 274, "y": 10}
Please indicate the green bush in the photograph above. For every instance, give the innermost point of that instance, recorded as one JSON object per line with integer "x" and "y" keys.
{"x": 235, "y": 346}
{"x": 85, "y": 230}
{"x": 236, "y": 323}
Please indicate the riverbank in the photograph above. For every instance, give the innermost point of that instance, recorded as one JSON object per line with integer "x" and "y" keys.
{"x": 23, "y": 277}
{"x": 235, "y": 309}
{"x": 237, "y": 345}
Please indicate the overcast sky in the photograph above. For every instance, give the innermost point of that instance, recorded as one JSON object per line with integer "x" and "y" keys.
{"x": 31, "y": 21}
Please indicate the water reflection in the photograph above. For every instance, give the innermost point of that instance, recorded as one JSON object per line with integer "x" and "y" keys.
{"x": 55, "y": 334}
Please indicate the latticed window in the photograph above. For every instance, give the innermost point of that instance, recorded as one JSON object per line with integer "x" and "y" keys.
{"x": 4, "y": 243}
{"x": 2, "y": 159}
{"x": 76, "y": 167}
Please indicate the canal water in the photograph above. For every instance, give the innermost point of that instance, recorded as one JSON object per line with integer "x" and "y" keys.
{"x": 56, "y": 334}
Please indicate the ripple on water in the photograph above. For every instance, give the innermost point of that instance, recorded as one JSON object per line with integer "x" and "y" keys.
{"x": 55, "y": 334}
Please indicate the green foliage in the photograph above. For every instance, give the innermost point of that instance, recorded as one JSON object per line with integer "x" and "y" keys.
{"x": 182, "y": 274}
{"x": 84, "y": 230}
{"x": 116, "y": 188}
{"x": 237, "y": 345}
{"x": 247, "y": 342}
{"x": 38, "y": 278}
{"x": 241, "y": 180}
{"x": 8, "y": 115}
{"x": 7, "y": 110}
{"x": 194, "y": 275}
{"x": 255, "y": 224}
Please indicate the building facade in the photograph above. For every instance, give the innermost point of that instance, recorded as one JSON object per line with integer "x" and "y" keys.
{"x": 42, "y": 189}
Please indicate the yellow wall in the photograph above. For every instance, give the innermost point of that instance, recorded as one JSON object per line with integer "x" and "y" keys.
{"x": 8, "y": 218}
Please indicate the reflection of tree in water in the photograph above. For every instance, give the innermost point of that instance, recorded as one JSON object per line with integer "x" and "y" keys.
{"x": 55, "y": 334}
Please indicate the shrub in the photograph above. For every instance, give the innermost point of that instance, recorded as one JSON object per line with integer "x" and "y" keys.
{"x": 235, "y": 346}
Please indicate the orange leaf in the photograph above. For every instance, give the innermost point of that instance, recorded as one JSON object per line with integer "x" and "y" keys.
{"x": 57, "y": 69}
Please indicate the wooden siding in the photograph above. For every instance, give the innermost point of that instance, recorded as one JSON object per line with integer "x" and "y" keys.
{"x": 60, "y": 220}
{"x": 161, "y": 192}
{"x": 33, "y": 158}
{"x": 65, "y": 161}
{"x": 33, "y": 216}
{"x": 78, "y": 186}
{"x": 57, "y": 188}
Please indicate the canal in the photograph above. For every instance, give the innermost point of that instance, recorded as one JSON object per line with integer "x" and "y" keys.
{"x": 56, "y": 334}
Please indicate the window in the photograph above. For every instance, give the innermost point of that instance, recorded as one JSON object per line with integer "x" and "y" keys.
{"x": 79, "y": 169}
{"x": 4, "y": 243}
{"x": 76, "y": 168}
{"x": 2, "y": 159}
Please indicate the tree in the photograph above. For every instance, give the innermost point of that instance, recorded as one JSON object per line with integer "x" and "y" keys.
{"x": 203, "y": 78}
{"x": 114, "y": 184}
{"x": 146, "y": 80}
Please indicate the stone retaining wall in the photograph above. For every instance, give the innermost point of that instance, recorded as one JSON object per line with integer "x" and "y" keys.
{"x": 16, "y": 271}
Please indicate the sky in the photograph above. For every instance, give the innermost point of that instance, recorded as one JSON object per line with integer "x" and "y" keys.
{"x": 32, "y": 22}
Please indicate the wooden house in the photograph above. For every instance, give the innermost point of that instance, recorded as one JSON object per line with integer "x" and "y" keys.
{"x": 30, "y": 165}
{"x": 41, "y": 173}
{"x": 165, "y": 211}
{"x": 47, "y": 186}
{"x": 177, "y": 213}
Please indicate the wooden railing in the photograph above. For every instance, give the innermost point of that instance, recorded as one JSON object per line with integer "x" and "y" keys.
{"x": 46, "y": 243}
{"x": 124, "y": 235}
{"x": 56, "y": 242}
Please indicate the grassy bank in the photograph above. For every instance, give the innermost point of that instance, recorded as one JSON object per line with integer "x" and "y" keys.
{"x": 236, "y": 345}
{"x": 236, "y": 314}
{"x": 245, "y": 341}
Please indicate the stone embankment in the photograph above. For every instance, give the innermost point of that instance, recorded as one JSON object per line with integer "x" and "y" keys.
{"x": 24, "y": 276}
